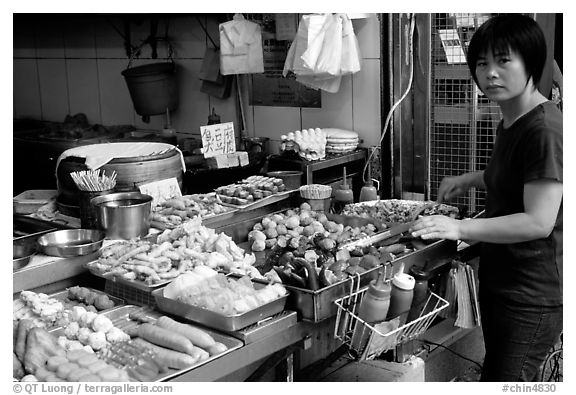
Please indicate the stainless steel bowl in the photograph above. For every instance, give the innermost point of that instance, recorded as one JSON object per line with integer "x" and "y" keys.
{"x": 123, "y": 215}
{"x": 71, "y": 242}
{"x": 22, "y": 254}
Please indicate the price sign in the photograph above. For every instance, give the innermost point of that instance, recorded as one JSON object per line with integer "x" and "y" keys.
{"x": 218, "y": 139}
{"x": 161, "y": 190}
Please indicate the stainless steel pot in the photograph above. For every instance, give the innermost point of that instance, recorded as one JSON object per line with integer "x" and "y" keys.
{"x": 123, "y": 215}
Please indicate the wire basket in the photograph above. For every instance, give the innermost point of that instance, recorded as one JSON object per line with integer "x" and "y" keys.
{"x": 378, "y": 338}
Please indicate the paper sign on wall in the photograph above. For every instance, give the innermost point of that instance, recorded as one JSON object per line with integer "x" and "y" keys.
{"x": 218, "y": 139}
{"x": 161, "y": 190}
{"x": 452, "y": 46}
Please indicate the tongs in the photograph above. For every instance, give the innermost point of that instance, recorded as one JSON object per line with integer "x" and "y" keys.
{"x": 393, "y": 230}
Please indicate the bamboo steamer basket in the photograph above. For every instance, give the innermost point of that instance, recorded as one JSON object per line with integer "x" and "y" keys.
{"x": 131, "y": 172}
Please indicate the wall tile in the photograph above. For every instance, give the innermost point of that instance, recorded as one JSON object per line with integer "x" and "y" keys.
{"x": 53, "y": 89}
{"x": 24, "y": 38}
{"x": 83, "y": 88}
{"x": 109, "y": 43}
{"x": 115, "y": 103}
{"x": 50, "y": 38}
{"x": 193, "y": 107}
{"x": 368, "y": 33}
{"x": 226, "y": 108}
{"x": 336, "y": 110}
{"x": 275, "y": 121}
{"x": 187, "y": 36}
{"x": 26, "y": 89}
{"x": 366, "y": 99}
{"x": 79, "y": 37}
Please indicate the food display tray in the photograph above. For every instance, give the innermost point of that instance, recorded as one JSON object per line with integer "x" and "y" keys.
{"x": 120, "y": 317}
{"x": 215, "y": 320}
{"x": 141, "y": 285}
{"x": 62, "y": 297}
{"x": 260, "y": 202}
{"x": 319, "y": 305}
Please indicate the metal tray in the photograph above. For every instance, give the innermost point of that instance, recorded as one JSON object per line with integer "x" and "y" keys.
{"x": 260, "y": 202}
{"x": 219, "y": 321}
{"x": 141, "y": 285}
{"x": 62, "y": 296}
{"x": 319, "y": 305}
{"x": 120, "y": 318}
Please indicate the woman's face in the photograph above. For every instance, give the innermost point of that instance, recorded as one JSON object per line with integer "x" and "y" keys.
{"x": 501, "y": 76}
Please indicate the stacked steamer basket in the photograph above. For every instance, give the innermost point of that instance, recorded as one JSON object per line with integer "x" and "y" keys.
{"x": 340, "y": 141}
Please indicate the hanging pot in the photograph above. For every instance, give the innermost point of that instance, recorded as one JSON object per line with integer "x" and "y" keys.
{"x": 152, "y": 87}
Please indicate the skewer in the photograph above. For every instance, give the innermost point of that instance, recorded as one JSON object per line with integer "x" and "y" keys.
{"x": 93, "y": 180}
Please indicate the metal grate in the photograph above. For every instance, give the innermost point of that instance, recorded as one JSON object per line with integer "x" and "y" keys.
{"x": 462, "y": 120}
{"x": 130, "y": 294}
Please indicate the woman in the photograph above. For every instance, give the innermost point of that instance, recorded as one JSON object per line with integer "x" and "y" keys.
{"x": 520, "y": 273}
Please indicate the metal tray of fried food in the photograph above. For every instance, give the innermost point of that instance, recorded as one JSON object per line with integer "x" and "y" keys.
{"x": 212, "y": 319}
{"x": 130, "y": 316}
{"x": 64, "y": 298}
{"x": 111, "y": 276}
{"x": 395, "y": 211}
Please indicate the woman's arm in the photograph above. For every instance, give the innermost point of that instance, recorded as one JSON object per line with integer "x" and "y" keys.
{"x": 542, "y": 199}
{"x": 451, "y": 187}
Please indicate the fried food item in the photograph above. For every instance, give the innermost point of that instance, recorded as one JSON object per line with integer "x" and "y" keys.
{"x": 17, "y": 367}
{"x": 103, "y": 302}
{"x": 40, "y": 346}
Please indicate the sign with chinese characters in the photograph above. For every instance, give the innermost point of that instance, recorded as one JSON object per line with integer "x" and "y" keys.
{"x": 161, "y": 190}
{"x": 218, "y": 139}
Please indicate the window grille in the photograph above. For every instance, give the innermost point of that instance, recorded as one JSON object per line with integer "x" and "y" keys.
{"x": 462, "y": 120}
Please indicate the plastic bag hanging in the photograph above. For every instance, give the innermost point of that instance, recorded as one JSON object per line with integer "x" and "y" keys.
{"x": 324, "y": 49}
{"x": 324, "y": 55}
{"x": 240, "y": 47}
{"x": 350, "y": 62}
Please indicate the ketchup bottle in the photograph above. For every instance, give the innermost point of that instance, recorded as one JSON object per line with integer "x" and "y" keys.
{"x": 343, "y": 195}
{"x": 373, "y": 308}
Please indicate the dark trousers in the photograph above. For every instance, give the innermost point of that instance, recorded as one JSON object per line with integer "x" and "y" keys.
{"x": 517, "y": 338}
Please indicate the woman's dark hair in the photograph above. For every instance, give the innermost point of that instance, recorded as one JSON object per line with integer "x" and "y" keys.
{"x": 510, "y": 32}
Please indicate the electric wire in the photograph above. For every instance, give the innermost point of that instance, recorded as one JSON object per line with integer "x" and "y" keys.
{"x": 453, "y": 352}
{"x": 404, "y": 95}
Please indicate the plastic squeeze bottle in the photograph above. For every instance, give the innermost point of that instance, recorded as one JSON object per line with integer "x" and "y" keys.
{"x": 343, "y": 195}
{"x": 373, "y": 308}
{"x": 401, "y": 296}
{"x": 420, "y": 296}
{"x": 368, "y": 191}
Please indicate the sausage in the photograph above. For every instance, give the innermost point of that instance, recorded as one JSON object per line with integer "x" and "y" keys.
{"x": 170, "y": 358}
{"x": 197, "y": 336}
{"x": 165, "y": 338}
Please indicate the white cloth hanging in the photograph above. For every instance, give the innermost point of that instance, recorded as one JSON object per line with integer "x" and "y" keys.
{"x": 240, "y": 47}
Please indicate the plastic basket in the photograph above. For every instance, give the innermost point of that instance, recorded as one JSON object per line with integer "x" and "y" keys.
{"x": 382, "y": 336}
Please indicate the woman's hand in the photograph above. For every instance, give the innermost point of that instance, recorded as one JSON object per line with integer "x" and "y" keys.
{"x": 436, "y": 227}
{"x": 452, "y": 187}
